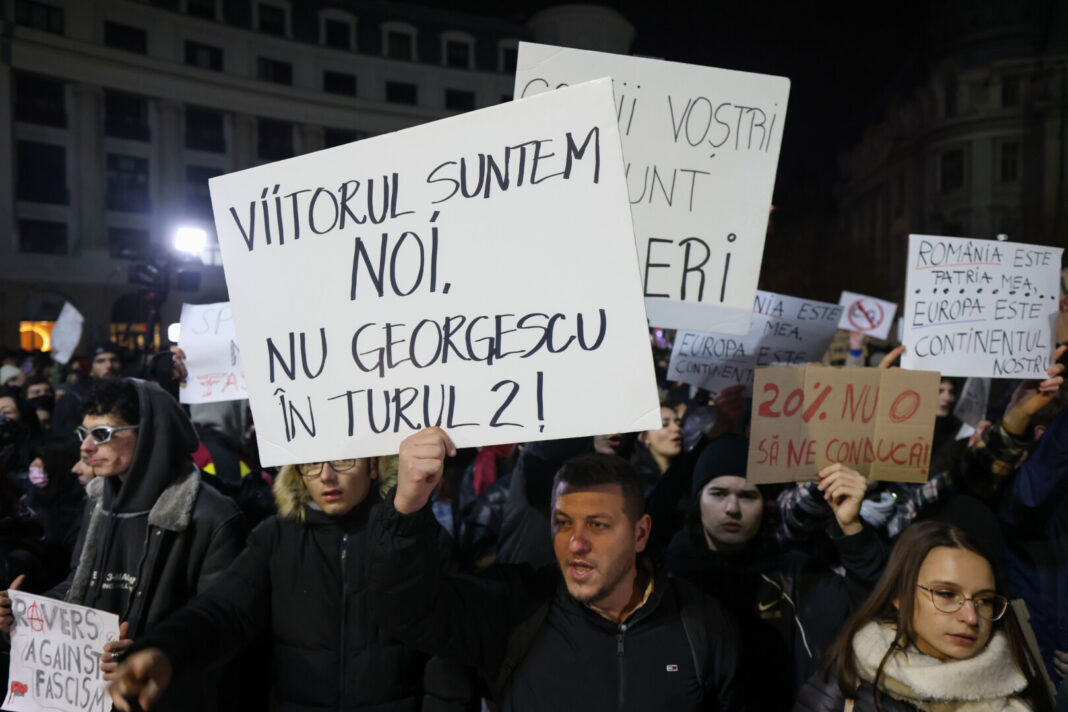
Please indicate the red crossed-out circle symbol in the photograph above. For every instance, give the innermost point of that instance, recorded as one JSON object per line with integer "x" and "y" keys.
{"x": 865, "y": 315}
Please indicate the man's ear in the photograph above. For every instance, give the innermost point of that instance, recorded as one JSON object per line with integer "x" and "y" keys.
{"x": 642, "y": 528}
{"x": 896, "y": 604}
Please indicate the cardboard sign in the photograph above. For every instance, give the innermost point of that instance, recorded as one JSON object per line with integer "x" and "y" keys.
{"x": 866, "y": 314}
{"x": 980, "y": 307}
{"x": 475, "y": 273}
{"x": 701, "y": 147}
{"x": 878, "y": 421}
{"x": 55, "y": 655}
{"x": 212, "y": 357}
{"x": 784, "y": 330}
{"x": 66, "y": 333}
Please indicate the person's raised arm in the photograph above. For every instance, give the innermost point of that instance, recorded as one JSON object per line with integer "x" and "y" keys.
{"x": 420, "y": 468}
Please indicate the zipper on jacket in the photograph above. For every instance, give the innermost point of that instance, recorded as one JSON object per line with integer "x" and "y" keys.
{"x": 619, "y": 656}
{"x": 341, "y": 646}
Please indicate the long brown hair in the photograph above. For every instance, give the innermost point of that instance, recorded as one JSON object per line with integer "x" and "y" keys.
{"x": 898, "y": 582}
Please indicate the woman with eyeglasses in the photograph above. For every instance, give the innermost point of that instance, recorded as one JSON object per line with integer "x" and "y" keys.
{"x": 301, "y": 578}
{"x": 937, "y": 633}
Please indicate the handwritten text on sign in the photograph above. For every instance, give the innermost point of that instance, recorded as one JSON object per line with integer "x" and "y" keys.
{"x": 211, "y": 354}
{"x": 980, "y": 307}
{"x": 701, "y": 147}
{"x": 476, "y": 273}
{"x": 877, "y": 421}
{"x": 784, "y": 331}
{"x": 55, "y": 655}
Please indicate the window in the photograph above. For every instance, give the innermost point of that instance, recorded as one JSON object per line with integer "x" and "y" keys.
{"x": 125, "y": 115}
{"x": 509, "y": 59}
{"x": 39, "y": 100}
{"x": 274, "y": 140}
{"x": 271, "y": 70}
{"x": 337, "y": 34}
{"x": 400, "y": 45}
{"x": 899, "y": 197}
{"x": 128, "y": 243}
{"x": 127, "y": 184}
{"x": 1010, "y": 90}
{"x": 951, "y": 172}
{"x": 125, "y": 37}
{"x": 203, "y": 56}
{"x": 401, "y": 93}
{"x": 951, "y": 97}
{"x": 201, "y": 8}
{"x": 197, "y": 197}
{"x": 339, "y": 83}
{"x": 339, "y": 137}
{"x": 43, "y": 237}
{"x": 204, "y": 130}
{"x": 39, "y": 16}
{"x": 272, "y": 20}
{"x": 458, "y": 54}
{"x": 459, "y": 100}
{"x": 42, "y": 173}
{"x": 1010, "y": 162}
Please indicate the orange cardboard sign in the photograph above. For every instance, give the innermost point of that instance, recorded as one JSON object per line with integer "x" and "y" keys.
{"x": 880, "y": 422}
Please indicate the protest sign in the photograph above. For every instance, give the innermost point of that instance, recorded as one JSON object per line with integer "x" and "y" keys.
{"x": 784, "y": 330}
{"x": 878, "y": 421}
{"x": 866, "y": 314}
{"x": 212, "y": 357}
{"x": 66, "y": 333}
{"x": 980, "y": 307}
{"x": 475, "y": 273}
{"x": 701, "y": 147}
{"x": 55, "y": 655}
{"x": 972, "y": 401}
{"x": 1062, "y": 322}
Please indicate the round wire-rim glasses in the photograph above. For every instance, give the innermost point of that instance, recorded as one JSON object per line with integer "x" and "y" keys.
{"x": 991, "y": 606}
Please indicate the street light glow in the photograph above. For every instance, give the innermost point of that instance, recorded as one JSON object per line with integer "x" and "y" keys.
{"x": 191, "y": 239}
{"x": 174, "y": 332}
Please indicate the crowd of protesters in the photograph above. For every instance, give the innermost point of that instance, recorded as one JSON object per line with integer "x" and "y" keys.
{"x": 623, "y": 571}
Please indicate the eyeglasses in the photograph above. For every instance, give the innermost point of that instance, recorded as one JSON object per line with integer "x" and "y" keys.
{"x": 314, "y": 469}
{"x": 101, "y": 433}
{"x": 991, "y": 606}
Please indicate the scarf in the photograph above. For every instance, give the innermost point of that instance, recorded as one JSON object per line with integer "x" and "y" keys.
{"x": 988, "y": 682}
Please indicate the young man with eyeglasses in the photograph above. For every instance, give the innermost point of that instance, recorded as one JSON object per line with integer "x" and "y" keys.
{"x": 303, "y": 579}
{"x": 152, "y": 537}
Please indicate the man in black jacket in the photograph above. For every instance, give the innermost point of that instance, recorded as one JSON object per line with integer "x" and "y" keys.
{"x": 601, "y": 629}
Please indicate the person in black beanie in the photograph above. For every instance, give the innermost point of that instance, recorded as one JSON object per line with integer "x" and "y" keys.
{"x": 788, "y": 605}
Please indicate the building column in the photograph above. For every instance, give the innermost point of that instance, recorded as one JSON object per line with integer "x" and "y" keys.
{"x": 88, "y": 179}
{"x": 168, "y": 193}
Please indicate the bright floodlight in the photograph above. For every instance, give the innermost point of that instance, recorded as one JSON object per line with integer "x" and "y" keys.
{"x": 191, "y": 239}
{"x": 174, "y": 332}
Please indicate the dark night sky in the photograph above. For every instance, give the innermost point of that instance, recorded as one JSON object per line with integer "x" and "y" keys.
{"x": 841, "y": 59}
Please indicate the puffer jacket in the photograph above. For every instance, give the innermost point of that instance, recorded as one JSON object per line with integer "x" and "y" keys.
{"x": 305, "y": 581}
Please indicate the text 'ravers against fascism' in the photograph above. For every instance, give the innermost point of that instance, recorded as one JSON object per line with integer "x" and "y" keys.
{"x": 362, "y": 300}
{"x": 980, "y": 307}
{"x": 701, "y": 147}
{"x": 55, "y": 655}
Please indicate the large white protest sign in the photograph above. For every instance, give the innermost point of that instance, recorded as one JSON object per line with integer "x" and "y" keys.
{"x": 55, "y": 655}
{"x": 980, "y": 307}
{"x": 212, "y": 357}
{"x": 66, "y": 333}
{"x": 866, "y": 314}
{"x": 701, "y": 147}
{"x": 473, "y": 273}
{"x": 785, "y": 331}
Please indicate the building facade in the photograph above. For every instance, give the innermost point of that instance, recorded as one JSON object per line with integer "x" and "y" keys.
{"x": 972, "y": 145}
{"x": 114, "y": 114}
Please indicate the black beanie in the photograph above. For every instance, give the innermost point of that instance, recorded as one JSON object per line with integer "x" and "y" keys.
{"x": 726, "y": 455}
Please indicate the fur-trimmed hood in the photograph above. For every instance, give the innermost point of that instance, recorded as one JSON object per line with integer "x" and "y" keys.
{"x": 290, "y": 495}
{"x": 988, "y": 682}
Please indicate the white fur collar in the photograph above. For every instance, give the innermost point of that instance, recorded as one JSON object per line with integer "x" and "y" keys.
{"x": 985, "y": 683}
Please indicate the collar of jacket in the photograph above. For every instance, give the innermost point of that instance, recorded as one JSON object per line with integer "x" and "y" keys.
{"x": 987, "y": 681}
{"x": 172, "y": 511}
{"x": 651, "y": 600}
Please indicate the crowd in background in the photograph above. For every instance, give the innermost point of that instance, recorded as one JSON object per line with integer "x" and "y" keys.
{"x": 819, "y": 579}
